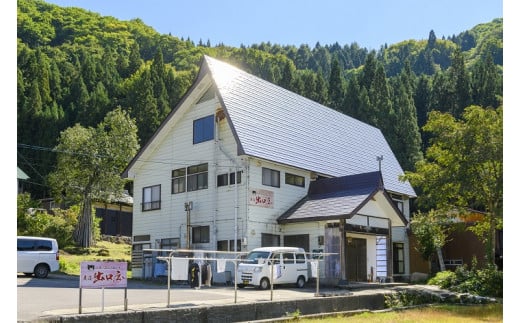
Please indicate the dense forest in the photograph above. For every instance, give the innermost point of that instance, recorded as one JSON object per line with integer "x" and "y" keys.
{"x": 74, "y": 66}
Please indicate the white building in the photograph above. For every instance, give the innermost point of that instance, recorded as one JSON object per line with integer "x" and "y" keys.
{"x": 307, "y": 175}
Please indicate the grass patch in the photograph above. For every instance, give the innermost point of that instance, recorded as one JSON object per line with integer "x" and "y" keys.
{"x": 430, "y": 314}
{"x": 71, "y": 258}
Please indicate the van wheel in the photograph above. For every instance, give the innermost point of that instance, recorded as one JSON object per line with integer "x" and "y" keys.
{"x": 264, "y": 283}
{"x": 300, "y": 283}
{"x": 41, "y": 271}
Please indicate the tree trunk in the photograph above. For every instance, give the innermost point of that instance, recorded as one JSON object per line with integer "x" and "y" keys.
{"x": 492, "y": 239}
{"x": 83, "y": 232}
{"x": 441, "y": 259}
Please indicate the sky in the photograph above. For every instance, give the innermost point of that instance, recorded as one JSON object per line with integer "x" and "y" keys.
{"x": 370, "y": 23}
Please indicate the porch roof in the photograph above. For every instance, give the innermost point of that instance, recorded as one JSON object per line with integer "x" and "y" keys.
{"x": 338, "y": 198}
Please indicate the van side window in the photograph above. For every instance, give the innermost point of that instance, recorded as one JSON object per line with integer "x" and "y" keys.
{"x": 300, "y": 258}
{"x": 43, "y": 245}
{"x": 25, "y": 245}
{"x": 288, "y": 258}
{"x": 276, "y": 258}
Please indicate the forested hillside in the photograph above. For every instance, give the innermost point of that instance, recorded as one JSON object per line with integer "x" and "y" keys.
{"x": 74, "y": 66}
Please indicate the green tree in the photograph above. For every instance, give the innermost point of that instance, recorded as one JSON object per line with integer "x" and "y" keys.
{"x": 89, "y": 165}
{"x": 431, "y": 230}
{"x": 406, "y": 130}
{"x": 486, "y": 83}
{"x": 463, "y": 169}
{"x": 336, "y": 85}
{"x": 461, "y": 83}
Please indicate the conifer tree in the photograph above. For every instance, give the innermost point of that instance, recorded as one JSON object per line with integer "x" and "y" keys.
{"x": 461, "y": 84}
{"x": 336, "y": 87}
{"x": 486, "y": 83}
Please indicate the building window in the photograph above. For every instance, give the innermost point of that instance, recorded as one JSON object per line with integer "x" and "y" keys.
{"x": 170, "y": 243}
{"x": 398, "y": 258}
{"x": 197, "y": 177}
{"x": 228, "y": 245}
{"x": 295, "y": 180}
{"x": 224, "y": 179}
{"x": 200, "y": 234}
{"x": 232, "y": 178}
{"x": 178, "y": 180}
{"x": 151, "y": 198}
{"x": 397, "y": 201}
{"x": 270, "y": 177}
{"x": 203, "y": 129}
{"x": 270, "y": 240}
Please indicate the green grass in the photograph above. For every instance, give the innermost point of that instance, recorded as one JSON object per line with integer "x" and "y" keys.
{"x": 71, "y": 258}
{"x": 430, "y": 314}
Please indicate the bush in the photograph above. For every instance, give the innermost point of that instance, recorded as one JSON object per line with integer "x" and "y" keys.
{"x": 443, "y": 279}
{"x": 483, "y": 282}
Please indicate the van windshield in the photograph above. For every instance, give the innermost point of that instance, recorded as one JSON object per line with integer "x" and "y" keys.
{"x": 256, "y": 256}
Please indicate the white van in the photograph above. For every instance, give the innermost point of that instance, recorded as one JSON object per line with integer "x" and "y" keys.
{"x": 38, "y": 256}
{"x": 281, "y": 265}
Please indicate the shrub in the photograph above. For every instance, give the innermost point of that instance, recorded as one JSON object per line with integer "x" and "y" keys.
{"x": 483, "y": 282}
{"x": 443, "y": 279}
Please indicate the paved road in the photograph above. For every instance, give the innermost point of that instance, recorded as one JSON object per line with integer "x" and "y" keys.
{"x": 59, "y": 294}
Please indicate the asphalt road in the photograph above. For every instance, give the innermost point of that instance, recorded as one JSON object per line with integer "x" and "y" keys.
{"x": 59, "y": 295}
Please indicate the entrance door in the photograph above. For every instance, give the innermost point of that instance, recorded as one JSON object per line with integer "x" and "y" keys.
{"x": 356, "y": 259}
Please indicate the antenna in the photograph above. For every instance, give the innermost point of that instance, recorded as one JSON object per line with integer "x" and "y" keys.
{"x": 379, "y": 159}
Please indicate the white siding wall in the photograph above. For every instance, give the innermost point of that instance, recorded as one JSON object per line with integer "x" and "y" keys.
{"x": 263, "y": 219}
{"x": 210, "y": 206}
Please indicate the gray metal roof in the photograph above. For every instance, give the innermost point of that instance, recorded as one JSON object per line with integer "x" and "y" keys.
{"x": 272, "y": 123}
{"x": 335, "y": 198}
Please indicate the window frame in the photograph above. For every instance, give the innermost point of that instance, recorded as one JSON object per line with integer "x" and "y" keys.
{"x": 197, "y": 177}
{"x": 203, "y": 129}
{"x": 228, "y": 179}
{"x": 291, "y": 179}
{"x": 269, "y": 175}
{"x": 398, "y": 258}
{"x": 154, "y": 204}
{"x": 198, "y": 234}
{"x": 178, "y": 180}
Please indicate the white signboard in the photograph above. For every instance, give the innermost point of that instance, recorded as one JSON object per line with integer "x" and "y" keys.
{"x": 263, "y": 198}
{"x": 102, "y": 274}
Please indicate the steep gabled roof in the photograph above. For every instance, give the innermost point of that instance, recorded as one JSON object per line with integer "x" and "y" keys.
{"x": 338, "y": 197}
{"x": 272, "y": 123}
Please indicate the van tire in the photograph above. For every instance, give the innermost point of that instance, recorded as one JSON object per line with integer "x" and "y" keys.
{"x": 264, "y": 284}
{"x": 41, "y": 271}
{"x": 300, "y": 283}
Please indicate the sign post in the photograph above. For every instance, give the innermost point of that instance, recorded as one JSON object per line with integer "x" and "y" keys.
{"x": 103, "y": 274}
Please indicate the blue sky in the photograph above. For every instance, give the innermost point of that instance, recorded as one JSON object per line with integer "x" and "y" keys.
{"x": 370, "y": 23}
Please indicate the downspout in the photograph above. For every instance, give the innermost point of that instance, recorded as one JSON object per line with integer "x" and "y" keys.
{"x": 219, "y": 114}
{"x": 236, "y": 195}
{"x": 215, "y": 188}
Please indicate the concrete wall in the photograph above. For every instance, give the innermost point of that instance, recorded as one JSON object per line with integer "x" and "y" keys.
{"x": 233, "y": 312}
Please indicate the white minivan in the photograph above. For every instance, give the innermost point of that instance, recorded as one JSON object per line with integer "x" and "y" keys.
{"x": 281, "y": 265}
{"x": 38, "y": 256}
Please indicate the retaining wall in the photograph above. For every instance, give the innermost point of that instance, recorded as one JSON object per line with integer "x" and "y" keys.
{"x": 233, "y": 312}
